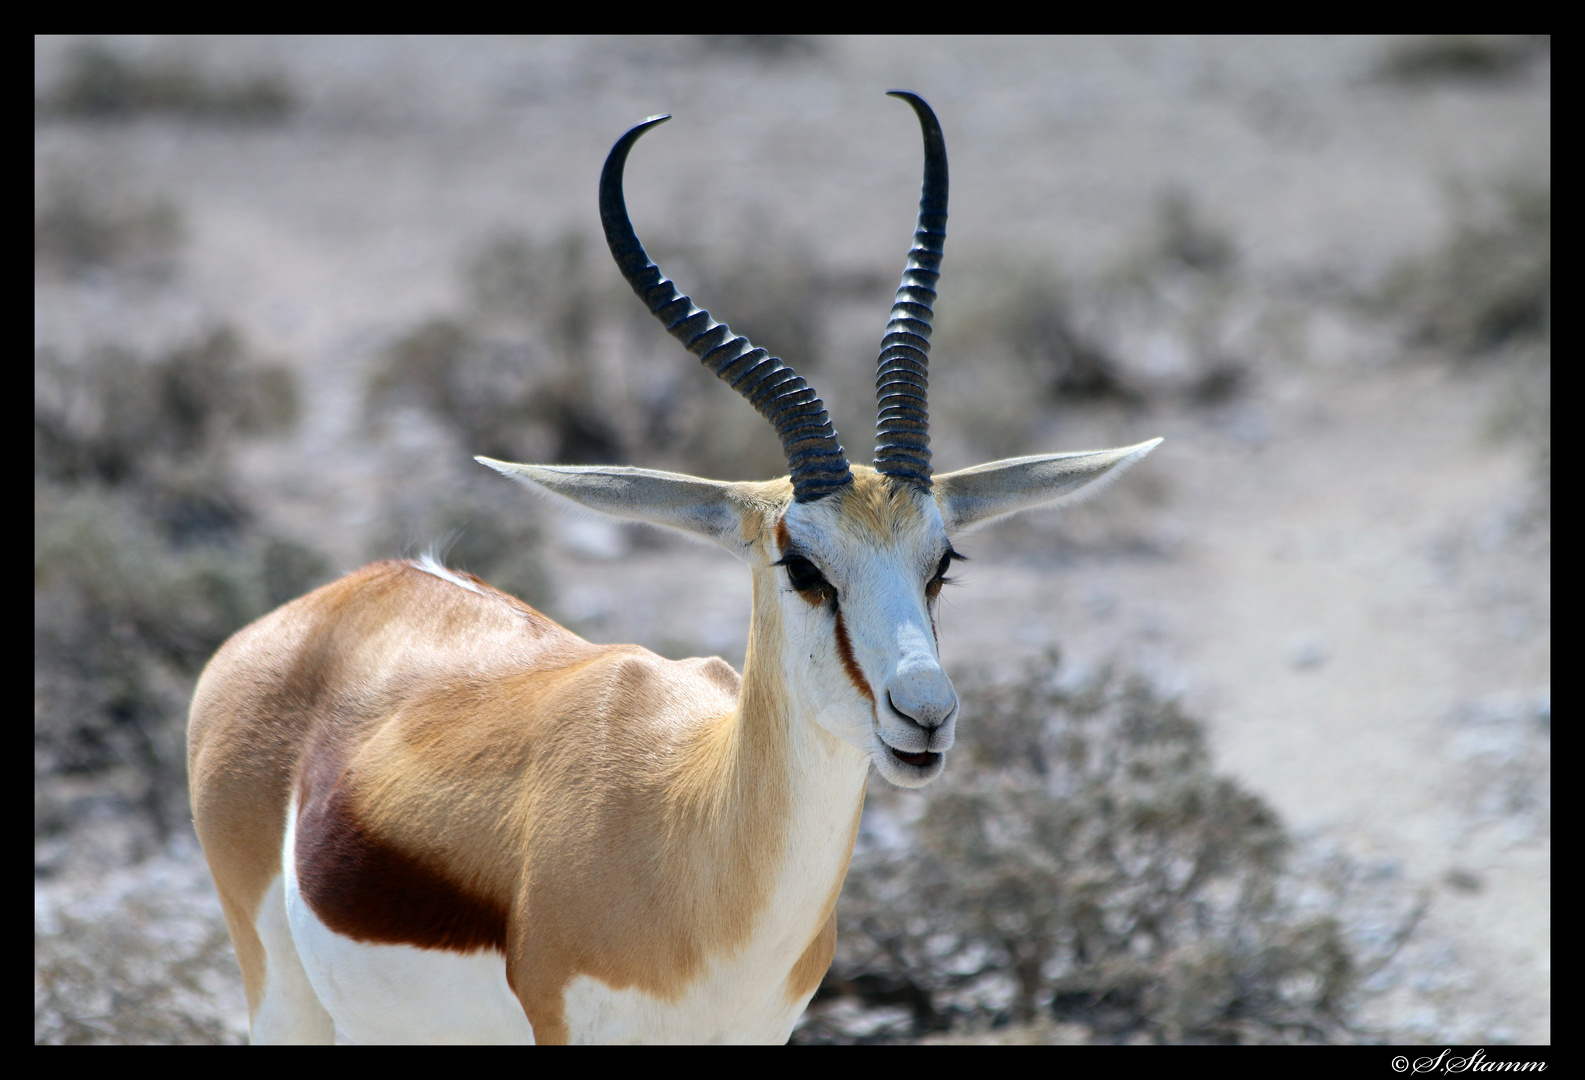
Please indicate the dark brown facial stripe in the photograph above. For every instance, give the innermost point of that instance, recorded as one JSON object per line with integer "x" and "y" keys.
{"x": 783, "y": 541}
{"x": 366, "y": 889}
{"x": 850, "y": 665}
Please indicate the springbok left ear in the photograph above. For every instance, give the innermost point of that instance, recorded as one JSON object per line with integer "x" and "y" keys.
{"x": 706, "y": 509}
{"x": 973, "y": 497}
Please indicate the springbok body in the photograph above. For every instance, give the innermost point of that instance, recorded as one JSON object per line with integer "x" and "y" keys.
{"x": 434, "y": 815}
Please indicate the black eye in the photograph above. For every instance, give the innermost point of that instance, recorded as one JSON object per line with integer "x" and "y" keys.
{"x": 804, "y": 575}
{"x": 933, "y": 586}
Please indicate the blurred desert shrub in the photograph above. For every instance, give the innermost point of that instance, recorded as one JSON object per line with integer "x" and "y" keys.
{"x": 1484, "y": 297}
{"x": 1010, "y": 344}
{"x": 761, "y": 48}
{"x": 1490, "y": 283}
{"x": 145, "y": 555}
{"x": 1461, "y": 56}
{"x": 1175, "y": 307}
{"x": 513, "y": 375}
{"x": 1017, "y": 339}
{"x": 106, "y": 82}
{"x": 1079, "y": 863}
{"x": 554, "y": 359}
{"x": 80, "y": 224}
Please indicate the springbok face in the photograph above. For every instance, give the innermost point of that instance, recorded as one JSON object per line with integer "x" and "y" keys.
{"x": 862, "y": 571}
{"x": 847, "y": 561}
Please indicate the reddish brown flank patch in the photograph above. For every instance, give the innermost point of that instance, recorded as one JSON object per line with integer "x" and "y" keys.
{"x": 367, "y": 889}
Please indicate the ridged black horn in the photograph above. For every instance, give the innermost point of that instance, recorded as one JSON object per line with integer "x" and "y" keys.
{"x": 781, "y": 395}
{"x": 902, "y": 426}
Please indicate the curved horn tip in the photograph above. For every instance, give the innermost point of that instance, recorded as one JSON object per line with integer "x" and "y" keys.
{"x": 631, "y": 135}
{"x": 913, "y": 99}
{"x": 616, "y": 161}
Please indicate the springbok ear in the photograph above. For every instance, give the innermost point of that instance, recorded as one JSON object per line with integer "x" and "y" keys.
{"x": 973, "y": 497}
{"x": 704, "y": 509}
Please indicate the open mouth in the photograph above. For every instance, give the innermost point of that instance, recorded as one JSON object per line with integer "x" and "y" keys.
{"x": 918, "y": 760}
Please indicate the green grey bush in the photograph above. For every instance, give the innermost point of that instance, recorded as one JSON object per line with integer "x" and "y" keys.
{"x": 104, "y": 82}
{"x": 1081, "y": 862}
{"x": 1442, "y": 57}
{"x": 1484, "y": 297}
{"x": 81, "y": 224}
{"x": 554, "y": 360}
{"x": 146, "y": 556}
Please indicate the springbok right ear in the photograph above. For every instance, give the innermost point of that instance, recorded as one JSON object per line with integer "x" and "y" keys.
{"x": 977, "y": 496}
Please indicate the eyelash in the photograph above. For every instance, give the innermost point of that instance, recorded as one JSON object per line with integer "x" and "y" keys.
{"x": 933, "y": 586}
{"x": 814, "y": 582}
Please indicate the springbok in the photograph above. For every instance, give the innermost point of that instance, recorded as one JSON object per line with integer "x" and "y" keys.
{"x": 432, "y": 814}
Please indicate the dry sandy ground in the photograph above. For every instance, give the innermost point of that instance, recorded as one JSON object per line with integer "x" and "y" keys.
{"x": 1335, "y": 571}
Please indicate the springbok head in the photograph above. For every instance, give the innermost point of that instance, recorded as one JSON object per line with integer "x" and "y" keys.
{"x": 847, "y": 560}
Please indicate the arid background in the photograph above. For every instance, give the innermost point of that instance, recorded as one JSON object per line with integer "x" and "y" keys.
{"x": 1256, "y": 745}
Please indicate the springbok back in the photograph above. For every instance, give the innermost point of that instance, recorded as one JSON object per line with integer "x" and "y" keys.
{"x": 434, "y": 815}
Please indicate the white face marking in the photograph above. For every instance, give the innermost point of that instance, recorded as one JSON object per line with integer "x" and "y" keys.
{"x": 885, "y": 615}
